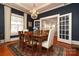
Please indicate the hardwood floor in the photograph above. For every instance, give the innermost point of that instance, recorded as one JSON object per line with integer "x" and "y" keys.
{"x": 69, "y": 50}
{"x": 5, "y": 51}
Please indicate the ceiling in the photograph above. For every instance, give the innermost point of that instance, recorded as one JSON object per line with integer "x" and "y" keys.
{"x": 40, "y": 7}
{"x": 31, "y": 6}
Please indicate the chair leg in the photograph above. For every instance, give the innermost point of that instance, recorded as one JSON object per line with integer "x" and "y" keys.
{"x": 23, "y": 47}
{"x": 32, "y": 49}
{"x": 48, "y": 52}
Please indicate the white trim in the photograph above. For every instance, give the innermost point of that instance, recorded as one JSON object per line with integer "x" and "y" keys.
{"x": 35, "y": 8}
{"x": 20, "y": 7}
{"x": 25, "y": 21}
{"x": 52, "y": 16}
{"x": 55, "y": 7}
{"x": 75, "y": 42}
{"x": 64, "y": 40}
{"x": 41, "y": 19}
{"x": 7, "y": 14}
{"x": 16, "y": 6}
{"x": 70, "y": 29}
{"x": 1, "y": 41}
{"x": 16, "y": 15}
{"x": 58, "y": 28}
{"x": 43, "y": 6}
{"x": 14, "y": 39}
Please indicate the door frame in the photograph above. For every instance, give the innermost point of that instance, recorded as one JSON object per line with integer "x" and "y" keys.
{"x": 52, "y": 16}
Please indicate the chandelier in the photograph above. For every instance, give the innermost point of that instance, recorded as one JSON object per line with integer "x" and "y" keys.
{"x": 34, "y": 13}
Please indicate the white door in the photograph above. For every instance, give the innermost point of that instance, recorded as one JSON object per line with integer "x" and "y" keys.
{"x": 65, "y": 28}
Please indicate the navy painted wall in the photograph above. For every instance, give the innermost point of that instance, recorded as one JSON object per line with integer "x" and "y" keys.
{"x": 75, "y": 22}
{"x": 29, "y": 19}
{"x": 2, "y": 26}
{"x": 74, "y": 8}
{"x": 17, "y": 12}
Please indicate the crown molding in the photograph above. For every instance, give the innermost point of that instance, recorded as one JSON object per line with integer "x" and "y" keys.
{"x": 43, "y": 6}
{"x": 15, "y": 6}
{"x": 20, "y": 7}
{"x": 35, "y": 8}
{"x": 64, "y": 4}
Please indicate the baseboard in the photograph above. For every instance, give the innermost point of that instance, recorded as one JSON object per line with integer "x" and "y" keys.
{"x": 75, "y": 42}
{"x": 13, "y": 39}
{"x": 1, "y": 41}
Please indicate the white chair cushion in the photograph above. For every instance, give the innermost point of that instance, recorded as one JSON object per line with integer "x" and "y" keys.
{"x": 25, "y": 30}
{"x": 48, "y": 43}
{"x": 45, "y": 44}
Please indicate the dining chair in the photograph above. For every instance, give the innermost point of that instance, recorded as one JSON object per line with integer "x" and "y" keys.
{"x": 25, "y": 30}
{"x": 21, "y": 39}
{"x": 28, "y": 42}
{"x": 47, "y": 44}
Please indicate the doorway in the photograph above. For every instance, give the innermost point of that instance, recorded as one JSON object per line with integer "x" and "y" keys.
{"x": 49, "y": 22}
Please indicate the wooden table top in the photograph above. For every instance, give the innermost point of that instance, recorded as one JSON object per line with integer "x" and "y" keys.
{"x": 38, "y": 35}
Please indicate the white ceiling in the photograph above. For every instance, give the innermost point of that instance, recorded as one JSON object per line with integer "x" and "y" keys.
{"x": 31, "y": 6}
{"x": 40, "y": 7}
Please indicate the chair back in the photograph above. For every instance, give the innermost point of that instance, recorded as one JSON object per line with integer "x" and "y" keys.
{"x": 51, "y": 36}
{"x": 20, "y": 33}
{"x": 27, "y": 36}
{"x": 25, "y": 30}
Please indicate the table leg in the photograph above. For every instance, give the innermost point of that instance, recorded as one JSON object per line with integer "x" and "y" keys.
{"x": 32, "y": 48}
{"x": 40, "y": 48}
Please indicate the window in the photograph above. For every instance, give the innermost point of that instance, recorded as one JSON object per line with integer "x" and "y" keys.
{"x": 16, "y": 24}
{"x": 64, "y": 28}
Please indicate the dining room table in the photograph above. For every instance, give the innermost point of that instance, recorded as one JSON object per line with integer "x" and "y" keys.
{"x": 39, "y": 37}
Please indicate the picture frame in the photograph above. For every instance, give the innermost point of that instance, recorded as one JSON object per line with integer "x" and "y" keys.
{"x": 30, "y": 24}
{"x": 37, "y": 24}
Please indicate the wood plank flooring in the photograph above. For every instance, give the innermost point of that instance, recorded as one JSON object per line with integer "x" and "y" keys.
{"x": 5, "y": 51}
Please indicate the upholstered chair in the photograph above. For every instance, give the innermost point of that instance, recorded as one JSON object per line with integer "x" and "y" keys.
{"x": 47, "y": 44}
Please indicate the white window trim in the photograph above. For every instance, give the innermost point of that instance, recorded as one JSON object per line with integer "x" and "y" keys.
{"x": 70, "y": 30}
{"x": 19, "y": 17}
{"x": 41, "y": 19}
{"x": 13, "y": 14}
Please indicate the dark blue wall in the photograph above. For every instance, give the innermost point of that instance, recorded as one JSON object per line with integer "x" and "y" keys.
{"x": 75, "y": 22}
{"x": 17, "y": 12}
{"x": 29, "y": 19}
{"x": 61, "y": 10}
{"x": 2, "y": 26}
{"x": 74, "y": 8}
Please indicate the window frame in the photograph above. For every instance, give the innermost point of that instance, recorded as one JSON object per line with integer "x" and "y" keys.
{"x": 16, "y": 15}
